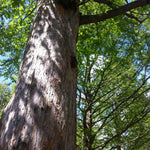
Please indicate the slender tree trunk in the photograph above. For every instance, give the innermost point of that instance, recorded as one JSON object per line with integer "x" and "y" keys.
{"x": 87, "y": 124}
{"x": 42, "y": 112}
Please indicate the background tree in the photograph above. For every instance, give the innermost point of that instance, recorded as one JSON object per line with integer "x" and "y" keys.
{"x": 5, "y": 95}
{"x": 16, "y": 19}
{"x": 113, "y": 85}
{"x": 49, "y": 69}
{"x": 112, "y": 106}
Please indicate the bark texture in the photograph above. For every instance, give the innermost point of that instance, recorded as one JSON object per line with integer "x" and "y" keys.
{"x": 42, "y": 112}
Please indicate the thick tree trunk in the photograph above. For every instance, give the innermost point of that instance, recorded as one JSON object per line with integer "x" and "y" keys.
{"x": 42, "y": 112}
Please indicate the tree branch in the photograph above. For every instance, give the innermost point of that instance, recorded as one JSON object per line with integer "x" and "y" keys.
{"x": 111, "y": 5}
{"x": 113, "y": 13}
{"x": 130, "y": 124}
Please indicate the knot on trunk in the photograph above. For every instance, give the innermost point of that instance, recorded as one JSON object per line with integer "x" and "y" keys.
{"x": 73, "y": 62}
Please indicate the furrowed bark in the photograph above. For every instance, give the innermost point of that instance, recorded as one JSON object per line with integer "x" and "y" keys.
{"x": 87, "y": 19}
{"x": 42, "y": 112}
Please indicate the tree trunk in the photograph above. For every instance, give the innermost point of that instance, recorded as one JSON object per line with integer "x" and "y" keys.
{"x": 42, "y": 112}
{"x": 87, "y": 125}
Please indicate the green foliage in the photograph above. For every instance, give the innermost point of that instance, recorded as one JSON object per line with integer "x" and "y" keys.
{"x": 113, "y": 82}
{"x": 5, "y": 95}
{"x": 15, "y": 25}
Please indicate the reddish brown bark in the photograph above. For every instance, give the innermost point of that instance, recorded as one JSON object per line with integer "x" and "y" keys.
{"x": 42, "y": 112}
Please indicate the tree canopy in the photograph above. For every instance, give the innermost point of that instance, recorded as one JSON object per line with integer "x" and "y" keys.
{"x": 16, "y": 19}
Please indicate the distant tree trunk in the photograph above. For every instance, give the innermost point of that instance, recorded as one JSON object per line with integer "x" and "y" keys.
{"x": 87, "y": 125}
{"x": 42, "y": 112}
